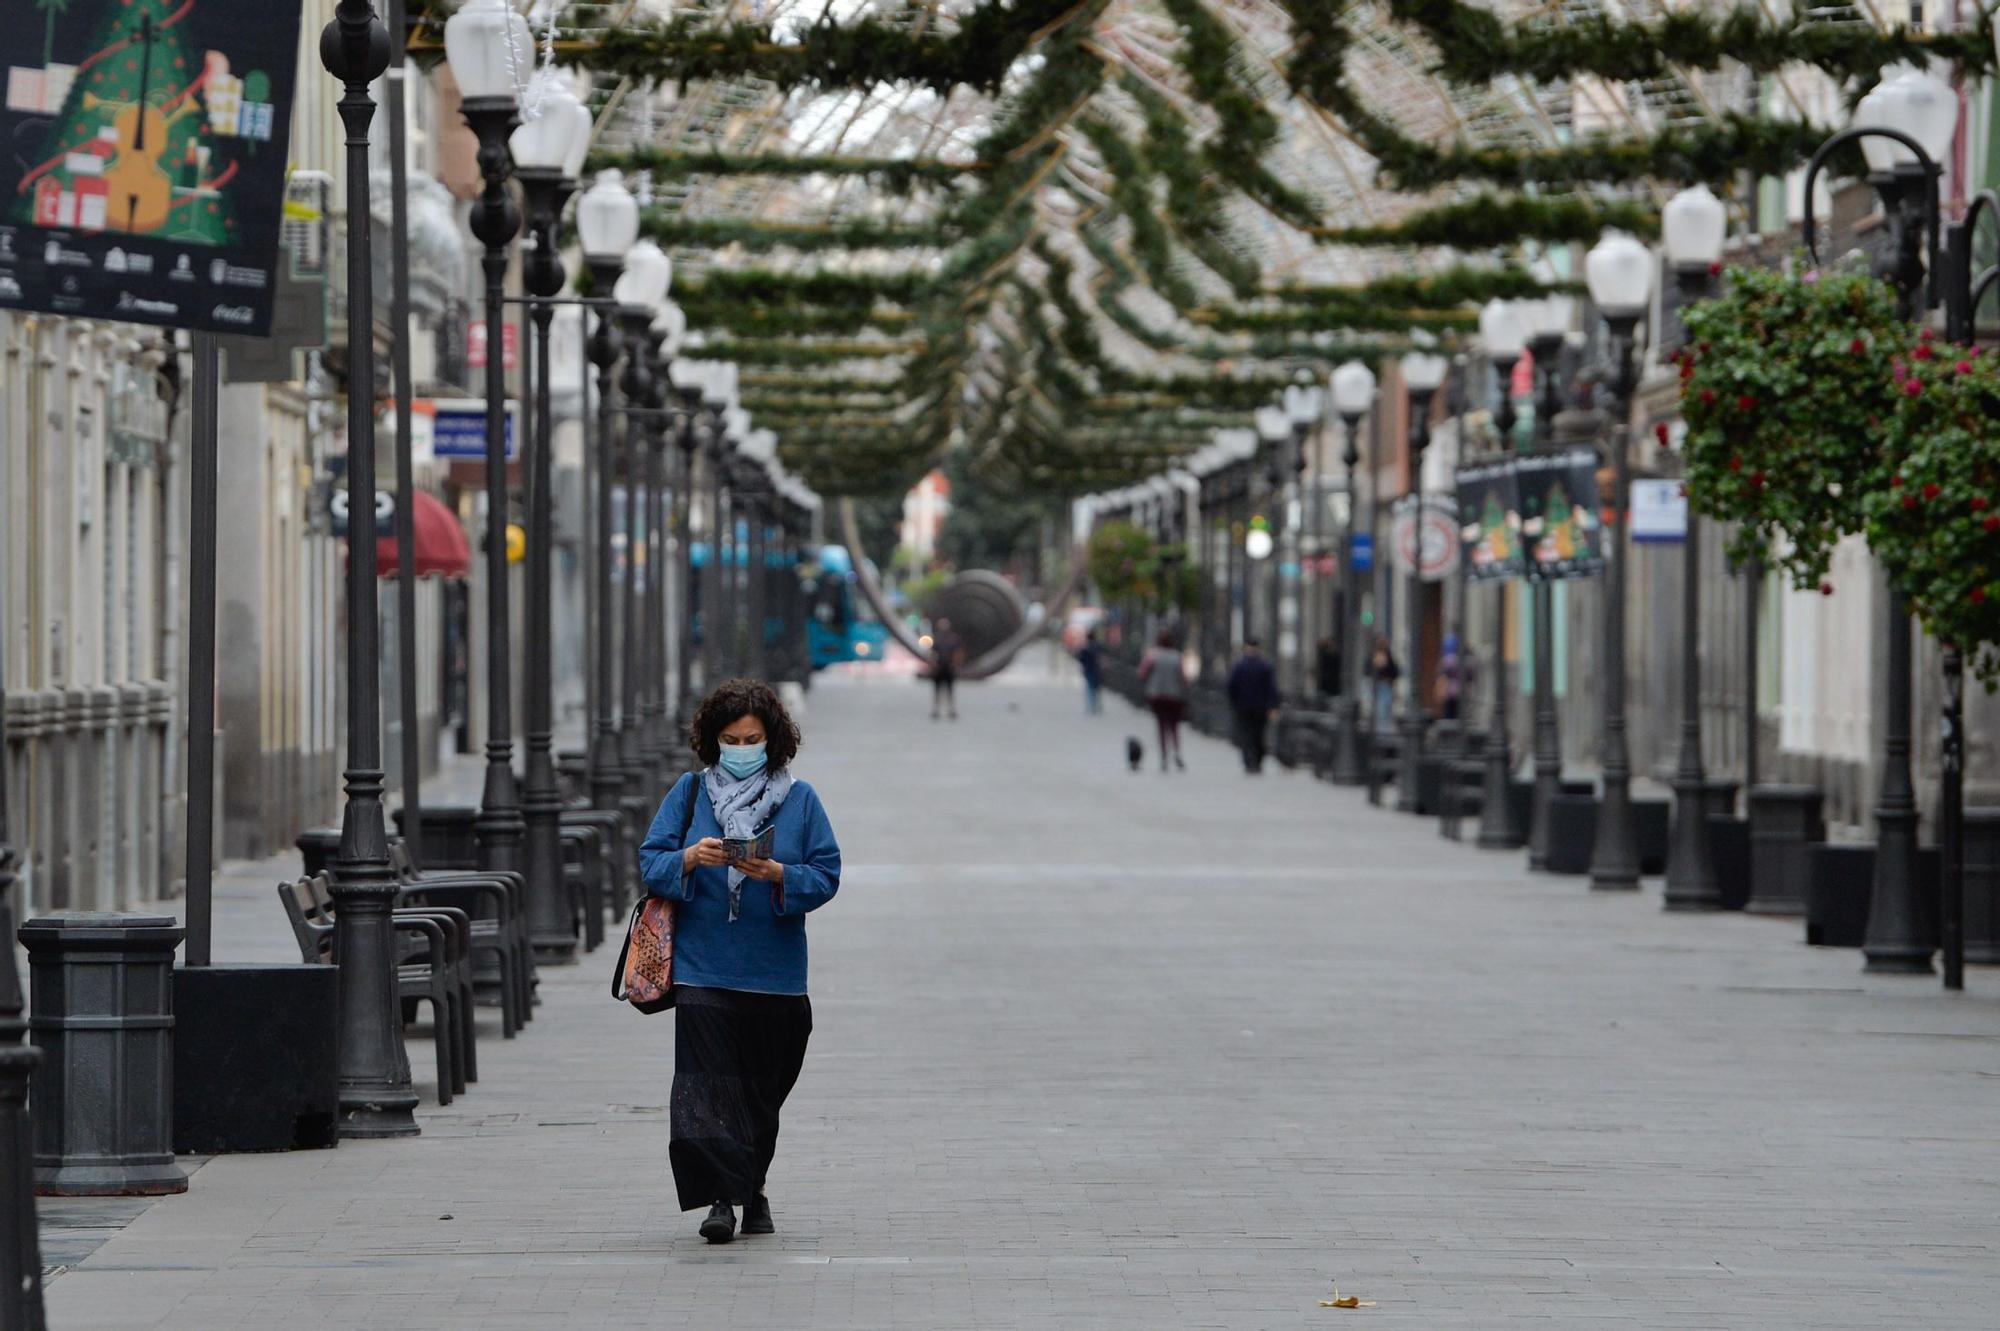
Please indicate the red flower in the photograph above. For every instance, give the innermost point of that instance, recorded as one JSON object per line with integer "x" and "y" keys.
{"x": 1922, "y": 353}
{"x": 1736, "y": 464}
{"x": 1746, "y": 403}
{"x": 1708, "y": 397}
{"x": 1660, "y": 433}
{"x": 1896, "y": 481}
{"x": 1913, "y": 387}
{"x": 1715, "y": 270}
{"x": 1757, "y": 479}
{"x": 1926, "y": 335}
{"x": 1687, "y": 370}
{"x": 1857, "y": 347}
{"x": 1909, "y": 501}
{"x": 1978, "y": 595}
{"x": 1964, "y": 367}
{"x": 1930, "y": 491}
{"x": 1826, "y": 589}
{"x": 1993, "y": 523}
{"x": 1979, "y": 503}
{"x": 1704, "y": 348}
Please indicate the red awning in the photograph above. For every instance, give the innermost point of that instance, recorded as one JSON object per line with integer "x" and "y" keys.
{"x": 441, "y": 547}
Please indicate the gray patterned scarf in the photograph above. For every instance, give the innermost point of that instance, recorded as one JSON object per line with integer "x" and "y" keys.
{"x": 743, "y": 804}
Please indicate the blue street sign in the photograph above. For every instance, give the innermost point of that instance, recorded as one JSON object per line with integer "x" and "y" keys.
{"x": 458, "y": 429}
{"x": 1364, "y": 552}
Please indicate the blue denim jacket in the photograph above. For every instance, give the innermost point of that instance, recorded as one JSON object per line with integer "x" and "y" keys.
{"x": 763, "y": 951}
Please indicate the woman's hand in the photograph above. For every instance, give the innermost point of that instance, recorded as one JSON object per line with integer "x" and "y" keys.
{"x": 765, "y": 871}
{"x": 704, "y": 854}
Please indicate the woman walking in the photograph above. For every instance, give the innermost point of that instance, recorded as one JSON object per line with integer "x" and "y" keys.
{"x": 1166, "y": 686}
{"x": 1383, "y": 672}
{"x": 743, "y": 1017}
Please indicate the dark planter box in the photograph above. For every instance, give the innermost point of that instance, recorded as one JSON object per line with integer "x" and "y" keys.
{"x": 1784, "y": 821}
{"x": 1729, "y": 853}
{"x": 1840, "y": 886}
{"x": 450, "y": 841}
{"x": 255, "y": 1062}
{"x": 1982, "y": 885}
{"x": 317, "y": 847}
{"x": 1651, "y": 819}
{"x": 1572, "y": 832}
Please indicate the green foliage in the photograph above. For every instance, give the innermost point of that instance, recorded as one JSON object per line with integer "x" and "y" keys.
{"x": 1936, "y": 524}
{"x": 1476, "y": 46}
{"x": 898, "y": 176}
{"x": 859, "y": 53}
{"x": 1489, "y": 221}
{"x": 1127, "y": 564}
{"x": 1787, "y": 389}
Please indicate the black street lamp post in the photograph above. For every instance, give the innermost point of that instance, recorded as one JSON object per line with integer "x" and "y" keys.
{"x": 640, "y": 293}
{"x": 377, "y": 1098}
{"x": 607, "y": 221}
{"x": 542, "y": 149}
{"x": 1353, "y": 395}
{"x": 688, "y": 377}
{"x": 20, "y": 1234}
{"x": 1620, "y": 275}
{"x": 1546, "y": 347}
{"x": 1903, "y": 127}
{"x": 1501, "y": 329}
{"x": 1694, "y": 223}
{"x": 492, "y": 109}
{"x": 1423, "y": 374}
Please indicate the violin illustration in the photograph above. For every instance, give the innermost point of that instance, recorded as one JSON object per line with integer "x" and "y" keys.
{"x": 139, "y": 189}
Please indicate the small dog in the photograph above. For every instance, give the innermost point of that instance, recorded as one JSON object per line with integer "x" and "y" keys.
{"x": 1135, "y": 752}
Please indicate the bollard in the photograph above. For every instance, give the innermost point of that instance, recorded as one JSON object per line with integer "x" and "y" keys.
{"x": 101, "y": 986}
{"x": 1784, "y": 820}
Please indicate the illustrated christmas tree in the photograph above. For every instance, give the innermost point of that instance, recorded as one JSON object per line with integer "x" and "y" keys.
{"x": 1493, "y": 530}
{"x": 130, "y": 149}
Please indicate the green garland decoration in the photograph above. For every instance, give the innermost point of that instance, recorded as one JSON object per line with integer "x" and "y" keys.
{"x": 1476, "y": 46}
{"x": 860, "y": 53}
{"x": 894, "y": 176}
{"x": 671, "y": 230}
{"x": 1493, "y": 221}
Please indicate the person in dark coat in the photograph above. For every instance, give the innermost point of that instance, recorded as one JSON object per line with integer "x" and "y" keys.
{"x": 1091, "y": 657}
{"x": 1253, "y": 699}
{"x": 1326, "y": 669}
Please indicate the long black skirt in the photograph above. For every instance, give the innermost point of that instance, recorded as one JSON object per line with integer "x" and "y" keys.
{"x": 736, "y": 1057}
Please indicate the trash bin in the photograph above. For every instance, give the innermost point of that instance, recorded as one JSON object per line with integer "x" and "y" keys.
{"x": 1784, "y": 820}
{"x": 101, "y": 990}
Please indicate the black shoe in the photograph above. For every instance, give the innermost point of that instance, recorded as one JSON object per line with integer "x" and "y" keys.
{"x": 720, "y": 1227}
{"x": 757, "y": 1216}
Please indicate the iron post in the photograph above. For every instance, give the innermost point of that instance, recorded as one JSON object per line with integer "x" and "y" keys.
{"x": 551, "y": 925}
{"x": 1546, "y": 348}
{"x": 411, "y": 745}
{"x": 1691, "y": 882}
{"x": 607, "y": 772}
{"x": 1410, "y": 759}
{"x": 495, "y": 221}
{"x": 377, "y": 1098}
{"x": 1496, "y": 818}
{"x": 1614, "y": 860}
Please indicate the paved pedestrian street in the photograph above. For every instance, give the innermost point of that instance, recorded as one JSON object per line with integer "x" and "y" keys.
{"x": 1097, "y": 1049}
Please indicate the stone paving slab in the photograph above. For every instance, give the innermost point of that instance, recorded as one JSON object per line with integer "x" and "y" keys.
{"x": 1104, "y": 1050}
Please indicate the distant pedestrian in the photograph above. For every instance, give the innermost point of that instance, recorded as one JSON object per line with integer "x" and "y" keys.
{"x": 1326, "y": 668}
{"x": 1383, "y": 672}
{"x": 739, "y": 958}
{"x": 1456, "y": 669}
{"x": 947, "y": 658}
{"x": 1091, "y": 657}
{"x": 1253, "y": 698}
{"x": 1165, "y": 682}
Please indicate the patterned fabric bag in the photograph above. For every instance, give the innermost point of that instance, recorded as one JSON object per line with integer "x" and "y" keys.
{"x": 644, "y": 976}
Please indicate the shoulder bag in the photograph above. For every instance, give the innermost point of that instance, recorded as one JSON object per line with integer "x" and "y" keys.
{"x": 644, "y": 976}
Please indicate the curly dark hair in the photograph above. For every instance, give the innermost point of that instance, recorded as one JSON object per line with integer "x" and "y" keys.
{"x": 735, "y": 698}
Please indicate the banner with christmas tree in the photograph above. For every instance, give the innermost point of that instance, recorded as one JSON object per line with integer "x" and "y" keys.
{"x": 1489, "y": 497}
{"x": 1559, "y": 511}
{"x": 142, "y": 159}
